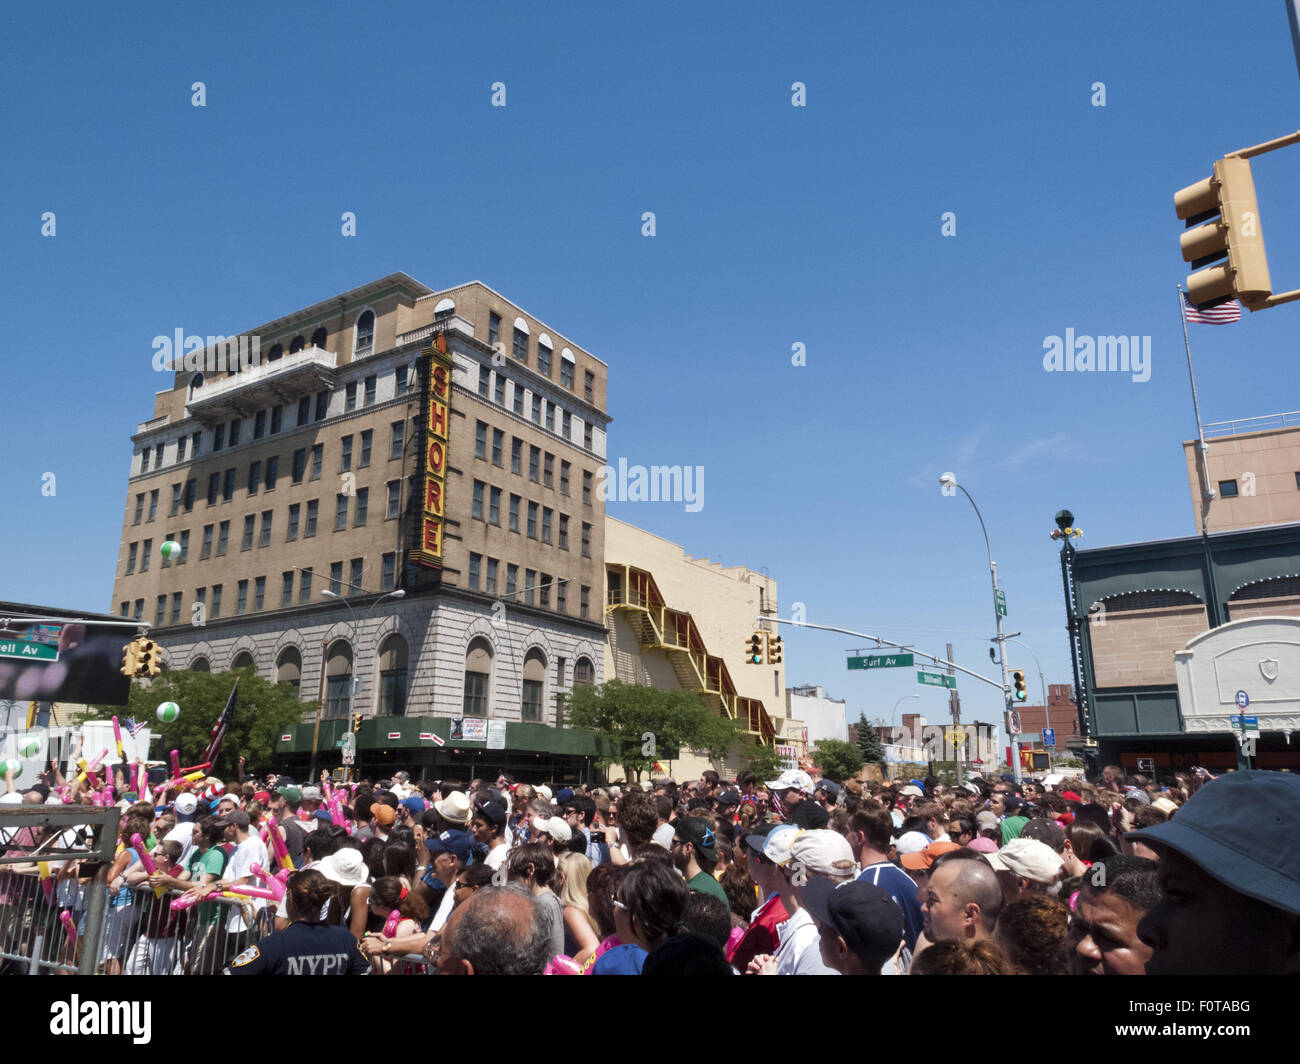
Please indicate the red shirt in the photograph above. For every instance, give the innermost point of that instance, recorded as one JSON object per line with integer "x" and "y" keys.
{"x": 761, "y": 936}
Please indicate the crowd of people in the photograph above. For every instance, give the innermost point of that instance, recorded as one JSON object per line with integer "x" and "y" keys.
{"x": 1121, "y": 875}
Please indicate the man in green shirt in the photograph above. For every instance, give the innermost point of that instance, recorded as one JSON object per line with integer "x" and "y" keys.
{"x": 695, "y": 852}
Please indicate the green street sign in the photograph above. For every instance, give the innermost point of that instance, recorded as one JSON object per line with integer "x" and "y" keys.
{"x": 936, "y": 679}
{"x": 28, "y": 651}
{"x": 882, "y": 661}
{"x": 1000, "y": 599}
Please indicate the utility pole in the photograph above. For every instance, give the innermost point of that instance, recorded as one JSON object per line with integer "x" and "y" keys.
{"x": 954, "y": 707}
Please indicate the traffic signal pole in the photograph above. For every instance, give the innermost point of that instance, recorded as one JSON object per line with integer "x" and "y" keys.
{"x": 1006, "y": 678}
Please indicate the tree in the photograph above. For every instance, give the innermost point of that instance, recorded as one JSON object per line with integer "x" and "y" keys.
{"x": 263, "y": 712}
{"x": 837, "y": 759}
{"x": 869, "y": 744}
{"x": 645, "y": 724}
{"x": 764, "y": 762}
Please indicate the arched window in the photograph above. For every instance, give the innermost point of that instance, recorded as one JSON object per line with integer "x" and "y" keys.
{"x": 392, "y": 676}
{"x": 243, "y": 660}
{"x": 534, "y": 682}
{"x": 584, "y": 673}
{"x": 365, "y": 332}
{"x": 288, "y": 667}
{"x": 544, "y": 349}
{"x": 200, "y": 665}
{"x": 444, "y": 310}
{"x": 297, "y": 344}
{"x": 478, "y": 677}
{"x": 319, "y": 337}
{"x": 277, "y": 352}
{"x": 338, "y": 679}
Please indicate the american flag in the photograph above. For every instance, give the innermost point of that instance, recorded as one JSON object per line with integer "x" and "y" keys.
{"x": 219, "y": 729}
{"x": 132, "y": 727}
{"x": 1223, "y": 314}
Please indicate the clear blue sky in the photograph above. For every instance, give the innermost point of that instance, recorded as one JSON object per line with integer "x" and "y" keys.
{"x": 775, "y": 225}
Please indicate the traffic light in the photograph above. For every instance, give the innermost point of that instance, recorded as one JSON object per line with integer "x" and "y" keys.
{"x": 356, "y": 723}
{"x": 146, "y": 657}
{"x": 1235, "y": 234}
{"x": 130, "y": 665}
{"x": 774, "y": 647}
{"x": 1018, "y": 690}
{"x": 754, "y": 649}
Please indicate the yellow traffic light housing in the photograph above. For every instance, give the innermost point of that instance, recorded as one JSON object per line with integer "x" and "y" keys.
{"x": 146, "y": 658}
{"x": 356, "y": 723}
{"x": 1235, "y": 234}
{"x": 774, "y": 648}
{"x": 1019, "y": 692}
{"x": 755, "y": 649}
{"x": 130, "y": 663}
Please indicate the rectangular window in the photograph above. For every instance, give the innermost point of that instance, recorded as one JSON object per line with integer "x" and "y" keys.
{"x": 564, "y": 532}
{"x": 566, "y": 373}
{"x": 532, "y": 520}
{"x": 294, "y": 512}
{"x": 176, "y": 500}
{"x": 1228, "y": 489}
{"x": 534, "y": 460}
{"x": 241, "y": 597}
{"x": 530, "y": 585}
{"x": 543, "y": 360}
{"x": 272, "y": 471}
{"x": 400, "y": 379}
{"x": 586, "y": 540}
{"x": 131, "y": 552}
{"x": 259, "y": 594}
{"x": 548, "y": 470}
{"x": 498, "y": 444}
{"x": 153, "y": 505}
{"x": 234, "y": 432}
{"x": 205, "y": 551}
{"x": 265, "y": 539}
{"x": 144, "y": 460}
{"x": 561, "y": 602}
{"x": 216, "y": 602}
{"x": 544, "y": 599}
{"x": 304, "y": 586}
{"x": 480, "y": 440}
{"x": 531, "y": 710}
{"x": 537, "y": 409}
{"x": 494, "y": 506}
{"x": 338, "y": 692}
{"x": 277, "y": 419}
{"x": 584, "y": 603}
{"x": 512, "y": 579}
{"x": 516, "y": 456}
{"x": 589, "y": 386}
{"x": 518, "y": 400}
{"x": 223, "y": 538}
{"x": 139, "y": 609}
{"x": 139, "y": 500}
{"x": 176, "y": 607}
{"x": 286, "y": 588}
{"x": 259, "y": 424}
{"x": 514, "y": 513}
{"x": 372, "y": 383}
{"x": 586, "y": 487}
{"x": 389, "y": 571}
{"x": 351, "y": 393}
{"x": 367, "y": 437}
{"x": 317, "y": 459}
{"x": 299, "y": 469}
{"x": 484, "y": 381}
{"x": 587, "y": 436}
{"x": 214, "y": 488}
{"x": 322, "y": 405}
{"x": 304, "y": 410}
{"x": 499, "y": 390}
{"x": 564, "y": 477}
{"x": 494, "y": 327}
{"x": 340, "y": 513}
{"x": 189, "y": 494}
{"x": 218, "y": 437}
{"x": 476, "y": 685}
{"x": 394, "y": 499}
{"x": 363, "y": 507}
{"x": 476, "y": 511}
{"x": 254, "y": 477}
{"x": 356, "y": 567}
{"x": 398, "y": 439}
{"x": 228, "y": 486}
{"x": 547, "y": 514}
{"x": 336, "y": 578}
{"x": 185, "y": 548}
{"x": 313, "y": 506}
{"x": 247, "y": 543}
{"x": 490, "y": 581}
{"x": 160, "y": 611}
{"x": 475, "y": 563}
{"x": 180, "y": 448}
{"x": 196, "y": 440}
{"x": 520, "y": 349}
{"x": 345, "y": 457}
{"x": 146, "y": 553}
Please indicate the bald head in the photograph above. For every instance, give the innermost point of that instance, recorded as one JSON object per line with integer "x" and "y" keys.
{"x": 497, "y": 932}
{"x": 963, "y": 900}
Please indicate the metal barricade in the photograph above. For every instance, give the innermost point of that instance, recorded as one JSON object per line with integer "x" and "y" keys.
{"x": 400, "y": 964}
{"x": 155, "y": 939}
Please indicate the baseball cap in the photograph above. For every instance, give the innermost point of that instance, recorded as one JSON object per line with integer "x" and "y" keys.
{"x": 823, "y": 853}
{"x": 1011, "y": 803}
{"x": 1240, "y": 830}
{"x": 775, "y": 844}
{"x": 292, "y": 795}
{"x": 1046, "y": 831}
{"x": 415, "y": 803}
{"x": 451, "y": 841}
{"x": 912, "y": 842}
{"x": 311, "y": 794}
{"x": 832, "y": 789}
{"x": 923, "y": 860}
{"x": 864, "y": 915}
{"x": 563, "y": 794}
{"x": 982, "y": 845}
{"x": 791, "y": 779}
{"x": 494, "y": 813}
{"x": 383, "y": 814}
{"x": 912, "y": 791}
{"x": 238, "y": 818}
{"x": 1027, "y": 858}
{"x": 555, "y": 826}
{"x": 697, "y": 832}
{"x": 186, "y": 804}
{"x": 729, "y": 798}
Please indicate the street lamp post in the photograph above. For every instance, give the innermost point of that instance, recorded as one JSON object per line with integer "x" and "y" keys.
{"x": 949, "y": 480}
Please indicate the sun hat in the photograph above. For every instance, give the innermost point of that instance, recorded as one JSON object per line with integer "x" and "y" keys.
{"x": 791, "y": 779}
{"x": 345, "y": 867}
{"x": 455, "y": 807}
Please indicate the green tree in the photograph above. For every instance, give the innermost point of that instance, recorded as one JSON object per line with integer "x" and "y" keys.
{"x": 764, "y": 762}
{"x": 869, "y": 744}
{"x": 837, "y": 759}
{"x": 645, "y": 724}
{"x": 263, "y": 712}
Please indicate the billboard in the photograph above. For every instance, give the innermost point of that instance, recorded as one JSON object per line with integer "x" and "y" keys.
{"x": 63, "y": 663}
{"x": 435, "y": 410}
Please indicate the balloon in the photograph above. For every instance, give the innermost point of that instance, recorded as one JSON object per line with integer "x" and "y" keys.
{"x": 29, "y": 747}
{"x": 171, "y": 550}
{"x": 168, "y": 712}
{"x": 12, "y": 765}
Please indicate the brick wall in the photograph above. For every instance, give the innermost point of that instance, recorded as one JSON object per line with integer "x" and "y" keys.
{"x": 1135, "y": 648}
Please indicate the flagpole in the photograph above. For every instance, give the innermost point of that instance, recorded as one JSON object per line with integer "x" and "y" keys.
{"x": 1206, "y": 493}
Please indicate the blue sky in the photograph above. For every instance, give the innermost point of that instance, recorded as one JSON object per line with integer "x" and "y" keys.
{"x": 776, "y": 225}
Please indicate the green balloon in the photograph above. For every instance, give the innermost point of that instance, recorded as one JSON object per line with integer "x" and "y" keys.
{"x": 168, "y": 712}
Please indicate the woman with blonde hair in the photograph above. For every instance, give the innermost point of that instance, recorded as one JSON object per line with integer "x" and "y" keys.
{"x": 581, "y": 935}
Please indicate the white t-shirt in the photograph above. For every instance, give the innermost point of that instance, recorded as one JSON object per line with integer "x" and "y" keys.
{"x": 497, "y": 856}
{"x": 184, "y": 834}
{"x": 252, "y": 851}
{"x": 800, "y": 950}
{"x": 444, "y": 909}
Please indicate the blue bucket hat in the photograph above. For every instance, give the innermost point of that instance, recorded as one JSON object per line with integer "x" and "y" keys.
{"x": 1240, "y": 829}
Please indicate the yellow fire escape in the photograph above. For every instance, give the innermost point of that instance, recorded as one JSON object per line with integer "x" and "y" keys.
{"x": 658, "y": 627}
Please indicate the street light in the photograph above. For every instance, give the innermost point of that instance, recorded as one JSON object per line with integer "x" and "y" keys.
{"x": 949, "y": 483}
{"x": 1047, "y": 719}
